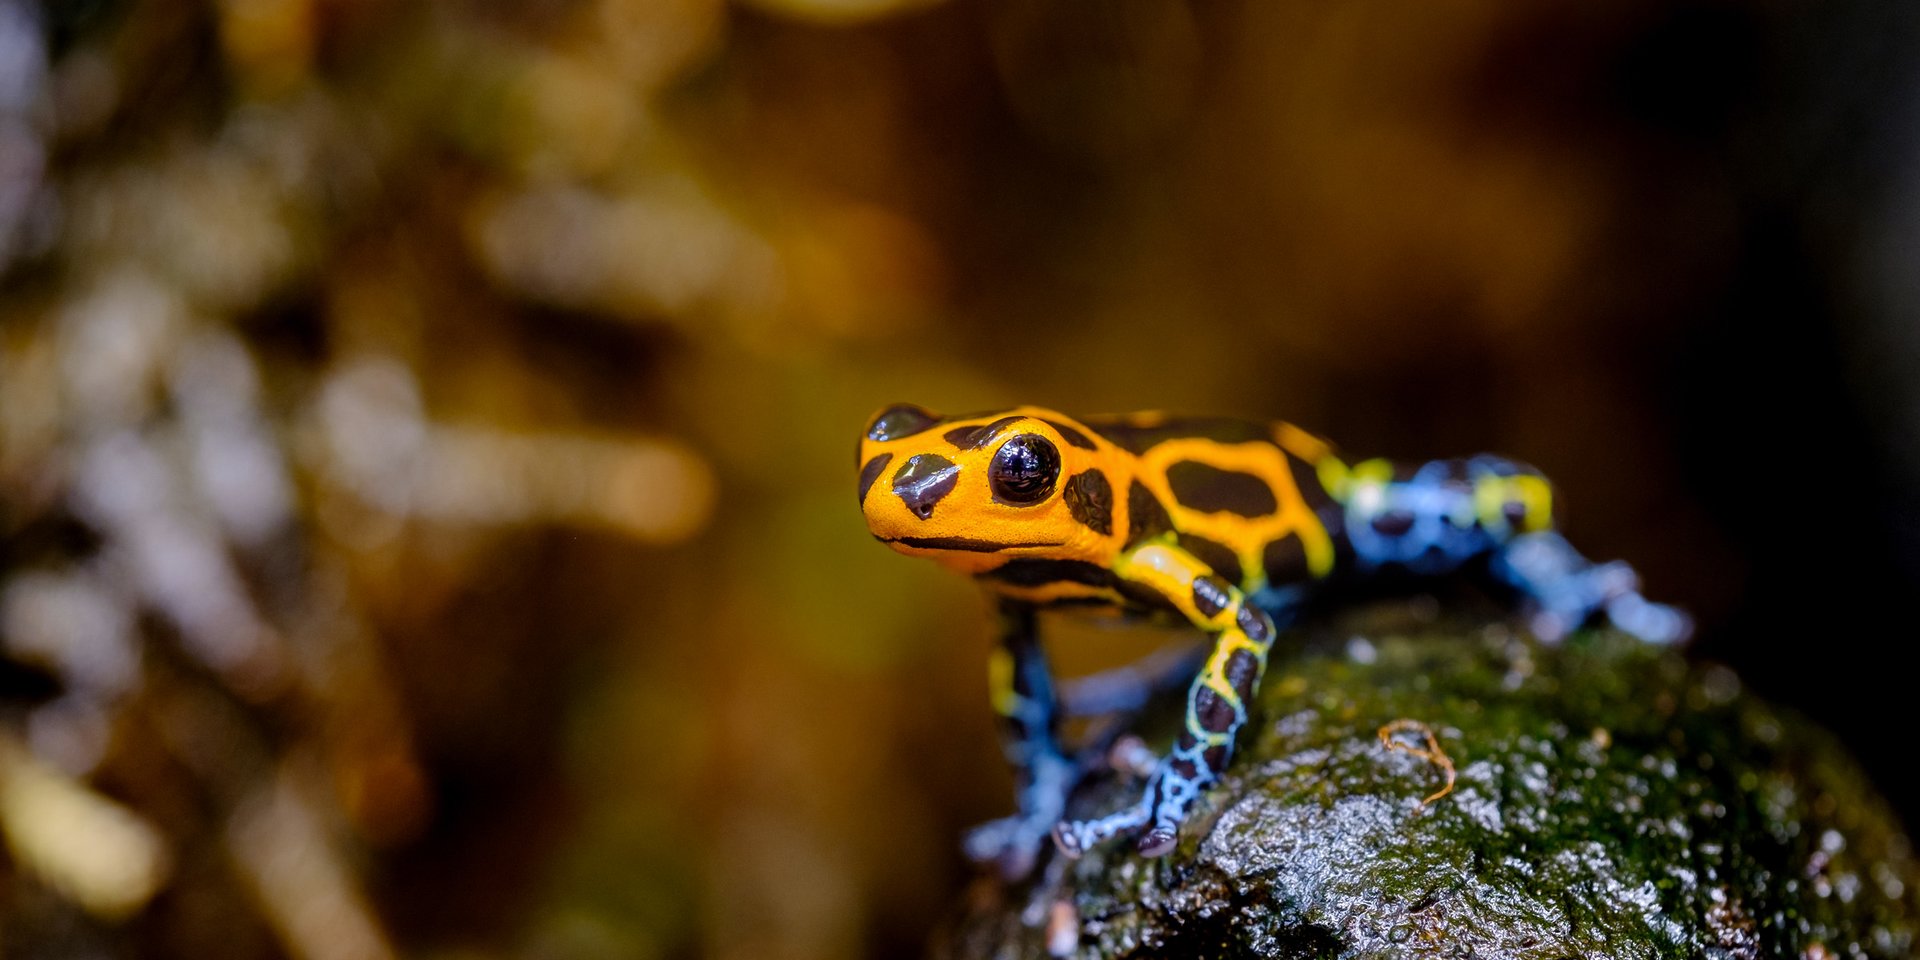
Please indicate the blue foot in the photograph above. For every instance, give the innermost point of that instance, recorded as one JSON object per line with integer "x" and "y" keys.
{"x": 1175, "y": 784}
{"x": 1651, "y": 622}
{"x": 1013, "y": 844}
{"x": 1075, "y": 837}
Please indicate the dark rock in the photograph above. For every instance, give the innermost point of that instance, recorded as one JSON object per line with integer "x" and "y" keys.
{"x": 1613, "y": 801}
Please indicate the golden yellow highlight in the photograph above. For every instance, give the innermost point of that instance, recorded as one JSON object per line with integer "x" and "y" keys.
{"x": 1490, "y": 502}
{"x": 1300, "y": 443}
{"x": 1006, "y": 702}
{"x": 1340, "y": 480}
{"x": 1533, "y": 493}
{"x": 1537, "y": 497}
{"x": 1167, "y": 571}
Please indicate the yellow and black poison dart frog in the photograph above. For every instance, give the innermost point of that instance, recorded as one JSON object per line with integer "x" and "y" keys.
{"x": 1229, "y": 525}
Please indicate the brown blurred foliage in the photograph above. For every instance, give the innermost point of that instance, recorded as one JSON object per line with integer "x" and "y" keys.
{"x": 425, "y": 488}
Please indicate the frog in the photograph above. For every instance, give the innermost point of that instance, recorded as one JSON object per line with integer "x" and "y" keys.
{"x": 1232, "y": 527}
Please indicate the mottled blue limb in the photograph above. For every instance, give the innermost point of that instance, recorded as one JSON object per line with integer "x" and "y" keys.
{"x": 1024, "y": 698}
{"x": 1436, "y": 516}
{"x": 1564, "y": 590}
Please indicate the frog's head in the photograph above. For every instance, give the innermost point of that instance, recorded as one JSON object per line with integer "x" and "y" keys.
{"x": 972, "y": 491}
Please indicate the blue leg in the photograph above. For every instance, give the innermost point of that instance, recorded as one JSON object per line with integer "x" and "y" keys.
{"x": 1565, "y": 590}
{"x": 1023, "y": 697}
{"x": 1435, "y": 516}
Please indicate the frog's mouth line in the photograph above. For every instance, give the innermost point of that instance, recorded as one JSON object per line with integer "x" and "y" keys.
{"x": 960, "y": 543}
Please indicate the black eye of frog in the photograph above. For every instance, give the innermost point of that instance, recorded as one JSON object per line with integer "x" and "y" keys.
{"x": 1024, "y": 470}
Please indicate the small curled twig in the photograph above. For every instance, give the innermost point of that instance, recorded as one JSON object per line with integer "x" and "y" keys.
{"x": 1431, "y": 753}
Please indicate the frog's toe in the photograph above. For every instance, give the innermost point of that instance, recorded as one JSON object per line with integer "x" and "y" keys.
{"x": 1157, "y": 842}
{"x": 1163, "y": 805}
{"x": 1651, "y": 622}
{"x": 1069, "y": 836}
{"x": 985, "y": 843}
{"x": 1075, "y": 837}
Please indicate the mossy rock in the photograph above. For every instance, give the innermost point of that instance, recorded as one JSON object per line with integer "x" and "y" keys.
{"x": 1613, "y": 800}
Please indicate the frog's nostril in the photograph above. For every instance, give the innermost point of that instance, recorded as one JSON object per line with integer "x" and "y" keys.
{"x": 923, "y": 481}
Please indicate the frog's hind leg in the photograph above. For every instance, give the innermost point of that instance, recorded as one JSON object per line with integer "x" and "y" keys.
{"x": 1024, "y": 699}
{"x": 1435, "y": 517}
{"x": 1565, "y": 590}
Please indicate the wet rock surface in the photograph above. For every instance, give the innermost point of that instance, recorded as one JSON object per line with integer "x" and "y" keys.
{"x": 1612, "y": 801}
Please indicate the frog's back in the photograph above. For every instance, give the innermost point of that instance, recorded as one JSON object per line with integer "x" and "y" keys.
{"x": 1245, "y": 497}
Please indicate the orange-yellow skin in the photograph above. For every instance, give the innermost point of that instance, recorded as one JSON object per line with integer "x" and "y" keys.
{"x": 970, "y": 510}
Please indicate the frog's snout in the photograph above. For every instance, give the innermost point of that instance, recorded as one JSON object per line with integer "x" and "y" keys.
{"x": 923, "y": 480}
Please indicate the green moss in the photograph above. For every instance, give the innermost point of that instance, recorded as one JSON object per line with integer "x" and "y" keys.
{"x": 1612, "y": 801}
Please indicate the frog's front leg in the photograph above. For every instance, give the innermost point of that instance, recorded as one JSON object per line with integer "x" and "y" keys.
{"x": 1216, "y": 702}
{"x": 1024, "y": 699}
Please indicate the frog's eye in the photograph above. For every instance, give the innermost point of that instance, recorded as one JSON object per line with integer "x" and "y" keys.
{"x": 1024, "y": 470}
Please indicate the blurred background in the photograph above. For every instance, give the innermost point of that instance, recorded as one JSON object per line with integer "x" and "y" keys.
{"x": 426, "y": 492}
